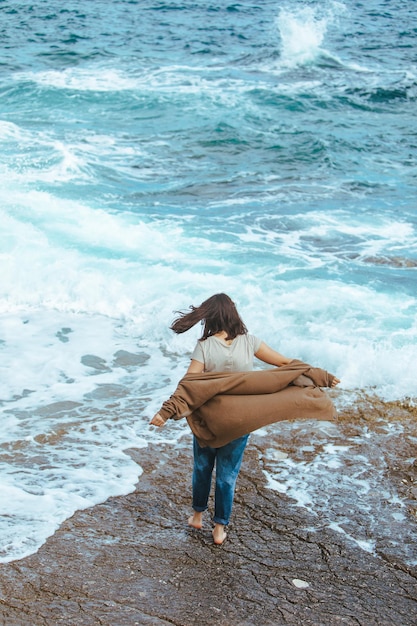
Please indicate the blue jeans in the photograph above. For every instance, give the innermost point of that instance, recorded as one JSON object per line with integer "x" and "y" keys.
{"x": 228, "y": 460}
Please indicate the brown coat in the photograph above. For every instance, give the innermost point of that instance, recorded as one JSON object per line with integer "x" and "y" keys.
{"x": 220, "y": 406}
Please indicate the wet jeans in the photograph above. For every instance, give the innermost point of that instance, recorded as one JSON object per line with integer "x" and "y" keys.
{"x": 228, "y": 460}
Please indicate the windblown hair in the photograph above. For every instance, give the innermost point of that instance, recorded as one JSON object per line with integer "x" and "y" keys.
{"x": 218, "y": 313}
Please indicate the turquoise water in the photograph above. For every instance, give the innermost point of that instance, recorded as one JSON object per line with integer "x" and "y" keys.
{"x": 153, "y": 153}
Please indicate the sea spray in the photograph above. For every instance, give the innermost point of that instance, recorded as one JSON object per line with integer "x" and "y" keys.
{"x": 303, "y": 29}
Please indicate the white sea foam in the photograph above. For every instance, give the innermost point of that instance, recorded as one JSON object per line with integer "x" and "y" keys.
{"x": 178, "y": 81}
{"x": 71, "y": 405}
{"x": 10, "y": 131}
{"x": 87, "y": 260}
{"x": 365, "y": 544}
{"x": 80, "y": 79}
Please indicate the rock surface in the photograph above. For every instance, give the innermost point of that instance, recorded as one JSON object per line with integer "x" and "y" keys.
{"x": 133, "y": 560}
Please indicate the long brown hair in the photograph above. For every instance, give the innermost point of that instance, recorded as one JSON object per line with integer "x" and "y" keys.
{"x": 218, "y": 313}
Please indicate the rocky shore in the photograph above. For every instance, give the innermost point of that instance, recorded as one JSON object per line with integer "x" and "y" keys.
{"x": 133, "y": 560}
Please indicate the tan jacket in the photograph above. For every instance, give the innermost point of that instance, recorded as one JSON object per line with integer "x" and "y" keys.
{"x": 220, "y": 406}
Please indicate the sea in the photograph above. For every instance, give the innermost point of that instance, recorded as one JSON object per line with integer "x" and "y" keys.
{"x": 156, "y": 152}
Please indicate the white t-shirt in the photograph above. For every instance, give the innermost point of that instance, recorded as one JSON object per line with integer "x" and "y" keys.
{"x": 218, "y": 356}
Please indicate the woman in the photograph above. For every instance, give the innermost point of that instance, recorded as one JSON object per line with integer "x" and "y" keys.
{"x": 225, "y": 346}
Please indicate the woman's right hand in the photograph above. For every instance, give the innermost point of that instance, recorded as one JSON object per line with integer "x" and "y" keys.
{"x": 157, "y": 420}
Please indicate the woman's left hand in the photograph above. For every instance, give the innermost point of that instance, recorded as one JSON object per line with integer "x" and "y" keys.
{"x": 335, "y": 381}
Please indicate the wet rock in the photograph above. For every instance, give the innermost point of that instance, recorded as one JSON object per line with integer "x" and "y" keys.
{"x": 133, "y": 560}
{"x": 130, "y": 360}
{"x": 95, "y": 362}
{"x": 107, "y": 392}
{"x": 63, "y": 334}
{"x": 56, "y": 407}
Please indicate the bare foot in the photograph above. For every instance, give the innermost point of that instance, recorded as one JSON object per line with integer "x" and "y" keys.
{"x": 219, "y": 534}
{"x": 196, "y": 520}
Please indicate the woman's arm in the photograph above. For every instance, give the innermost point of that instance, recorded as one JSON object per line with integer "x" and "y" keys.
{"x": 195, "y": 367}
{"x": 268, "y": 355}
